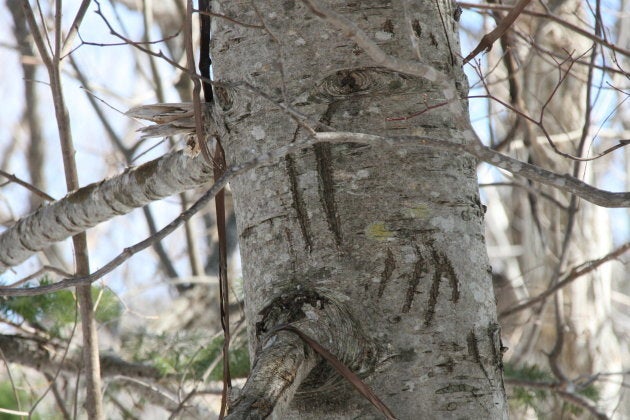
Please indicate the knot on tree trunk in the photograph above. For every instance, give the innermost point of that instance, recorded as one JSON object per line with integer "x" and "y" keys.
{"x": 323, "y": 316}
{"x": 285, "y": 365}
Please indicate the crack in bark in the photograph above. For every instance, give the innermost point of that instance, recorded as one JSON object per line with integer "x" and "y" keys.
{"x": 323, "y": 157}
{"x": 390, "y": 265}
{"x": 287, "y": 232}
{"x": 494, "y": 334}
{"x": 473, "y": 350}
{"x": 443, "y": 268}
{"x": 298, "y": 203}
{"x": 419, "y": 271}
{"x": 249, "y": 229}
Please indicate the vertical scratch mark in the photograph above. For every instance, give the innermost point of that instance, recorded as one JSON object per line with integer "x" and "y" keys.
{"x": 323, "y": 156}
{"x": 419, "y": 270}
{"x": 298, "y": 203}
{"x": 445, "y": 269}
{"x": 473, "y": 350}
{"x": 390, "y": 265}
{"x": 452, "y": 278}
{"x": 287, "y": 233}
{"x": 433, "y": 296}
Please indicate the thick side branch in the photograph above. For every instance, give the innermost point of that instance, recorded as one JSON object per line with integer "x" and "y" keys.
{"x": 279, "y": 369}
{"x": 98, "y": 202}
{"x": 175, "y": 172}
{"x": 283, "y": 360}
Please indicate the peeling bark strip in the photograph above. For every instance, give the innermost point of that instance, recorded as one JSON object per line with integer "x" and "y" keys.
{"x": 298, "y": 203}
{"x": 323, "y": 155}
{"x": 390, "y": 265}
{"x": 494, "y": 334}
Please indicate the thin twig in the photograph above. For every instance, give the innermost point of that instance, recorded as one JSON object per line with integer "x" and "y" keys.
{"x": 559, "y": 389}
{"x": 563, "y": 182}
{"x": 14, "y": 388}
{"x": 229, "y": 19}
{"x": 36, "y": 274}
{"x": 487, "y": 40}
{"x": 601, "y": 41}
{"x": 529, "y": 188}
{"x": 574, "y": 274}
{"x": 218, "y": 169}
{"x": 32, "y": 188}
{"x": 94, "y": 402}
{"x": 58, "y": 397}
{"x": 74, "y": 28}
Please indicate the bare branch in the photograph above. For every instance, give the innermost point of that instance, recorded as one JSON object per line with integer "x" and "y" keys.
{"x": 94, "y": 402}
{"x": 98, "y": 202}
{"x": 175, "y": 172}
{"x": 32, "y": 188}
{"x": 74, "y": 28}
{"x": 581, "y": 31}
{"x": 574, "y": 274}
{"x": 565, "y": 182}
{"x": 487, "y": 40}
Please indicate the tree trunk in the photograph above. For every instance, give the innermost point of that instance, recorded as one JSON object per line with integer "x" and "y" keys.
{"x": 377, "y": 252}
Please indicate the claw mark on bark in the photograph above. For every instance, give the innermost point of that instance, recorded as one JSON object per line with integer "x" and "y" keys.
{"x": 298, "y": 203}
{"x": 287, "y": 233}
{"x": 433, "y": 296}
{"x": 390, "y": 265}
{"x": 434, "y": 41}
{"x": 443, "y": 269}
{"x": 417, "y": 29}
{"x": 323, "y": 157}
{"x": 388, "y": 26}
{"x": 449, "y": 365}
{"x": 419, "y": 270}
{"x": 473, "y": 351}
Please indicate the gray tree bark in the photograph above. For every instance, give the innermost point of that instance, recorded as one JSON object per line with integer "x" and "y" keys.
{"x": 392, "y": 236}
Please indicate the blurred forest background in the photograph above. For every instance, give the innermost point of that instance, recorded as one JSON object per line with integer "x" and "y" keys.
{"x": 559, "y": 76}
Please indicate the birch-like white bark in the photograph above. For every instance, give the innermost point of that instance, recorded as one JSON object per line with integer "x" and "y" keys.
{"x": 98, "y": 202}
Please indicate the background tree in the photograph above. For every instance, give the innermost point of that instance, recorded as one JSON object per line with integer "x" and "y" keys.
{"x": 554, "y": 70}
{"x": 326, "y": 219}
